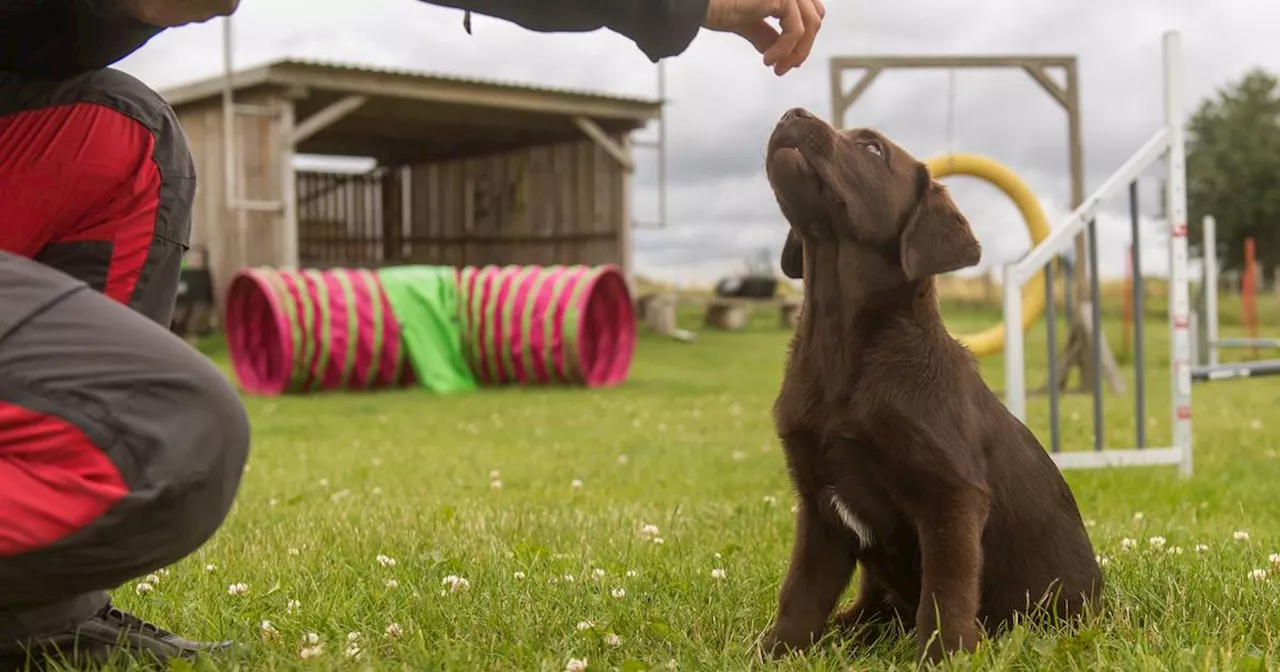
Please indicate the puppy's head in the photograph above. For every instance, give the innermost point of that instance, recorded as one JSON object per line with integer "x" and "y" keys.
{"x": 857, "y": 187}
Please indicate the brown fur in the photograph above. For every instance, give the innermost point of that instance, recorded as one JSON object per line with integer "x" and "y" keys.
{"x": 969, "y": 520}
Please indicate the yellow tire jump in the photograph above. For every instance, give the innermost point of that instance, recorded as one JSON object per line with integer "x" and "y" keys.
{"x": 991, "y": 340}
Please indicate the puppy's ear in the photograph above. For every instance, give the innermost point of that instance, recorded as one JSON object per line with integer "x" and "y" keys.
{"x": 937, "y": 239}
{"x": 793, "y": 256}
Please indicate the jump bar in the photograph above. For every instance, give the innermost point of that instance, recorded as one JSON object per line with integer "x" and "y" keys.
{"x": 1247, "y": 343}
{"x": 1237, "y": 370}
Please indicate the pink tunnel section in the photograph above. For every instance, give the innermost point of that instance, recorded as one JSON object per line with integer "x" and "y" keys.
{"x": 291, "y": 331}
{"x": 530, "y": 325}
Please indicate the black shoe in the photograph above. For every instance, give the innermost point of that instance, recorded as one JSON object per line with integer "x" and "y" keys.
{"x": 110, "y": 635}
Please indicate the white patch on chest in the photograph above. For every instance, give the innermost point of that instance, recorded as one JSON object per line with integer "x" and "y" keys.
{"x": 853, "y": 522}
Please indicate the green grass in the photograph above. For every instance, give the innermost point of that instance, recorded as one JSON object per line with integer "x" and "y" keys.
{"x": 337, "y": 480}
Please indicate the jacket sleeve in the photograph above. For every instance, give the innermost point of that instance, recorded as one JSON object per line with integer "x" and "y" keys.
{"x": 62, "y": 38}
{"x": 660, "y": 28}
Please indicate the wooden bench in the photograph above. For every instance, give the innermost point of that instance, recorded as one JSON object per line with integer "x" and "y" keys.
{"x": 658, "y": 312}
{"x": 726, "y": 314}
{"x": 789, "y": 313}
{"x": 733, "y": 314}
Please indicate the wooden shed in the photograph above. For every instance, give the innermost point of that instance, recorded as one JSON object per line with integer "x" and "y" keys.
{"x": 464, "y": 171}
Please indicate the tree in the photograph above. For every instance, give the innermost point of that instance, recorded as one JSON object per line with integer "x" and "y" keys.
{"x": 1233, "y": 168}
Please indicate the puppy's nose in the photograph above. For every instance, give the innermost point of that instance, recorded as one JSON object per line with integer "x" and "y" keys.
{"x": 797, "y": 113}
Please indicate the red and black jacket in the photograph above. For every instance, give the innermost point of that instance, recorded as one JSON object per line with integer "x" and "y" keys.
{"x": 61, "y": 38}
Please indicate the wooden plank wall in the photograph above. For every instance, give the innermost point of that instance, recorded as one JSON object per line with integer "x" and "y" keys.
{"x": 215, "y": 228}
{"x": 554, "y": 204}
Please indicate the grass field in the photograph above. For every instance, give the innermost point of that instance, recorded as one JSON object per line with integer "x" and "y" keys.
{"x": 357, "y": 509}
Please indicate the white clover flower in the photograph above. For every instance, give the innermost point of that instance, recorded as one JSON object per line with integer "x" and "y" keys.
{"x": 238, "y": 589}
{"x": 618, "y": 593}
{"x": 386, "y": 561}
{"x": 143, "y": 588}
{"x": 717, "y": 573}
{"x": 455, "y": 584}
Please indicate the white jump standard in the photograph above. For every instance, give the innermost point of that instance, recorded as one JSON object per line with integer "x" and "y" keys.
{"x": 1166, "y": 143}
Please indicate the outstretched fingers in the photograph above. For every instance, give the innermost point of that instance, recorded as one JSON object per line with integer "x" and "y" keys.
{"x": 799, "y": 21}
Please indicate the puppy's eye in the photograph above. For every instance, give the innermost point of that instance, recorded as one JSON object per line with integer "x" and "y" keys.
{"x": 874, "y": 147}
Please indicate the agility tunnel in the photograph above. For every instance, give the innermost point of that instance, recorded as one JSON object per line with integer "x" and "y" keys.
{"x": 441, "y": 328}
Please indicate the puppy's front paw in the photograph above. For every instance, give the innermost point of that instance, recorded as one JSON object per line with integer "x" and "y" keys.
{"x": 777, "y": 643}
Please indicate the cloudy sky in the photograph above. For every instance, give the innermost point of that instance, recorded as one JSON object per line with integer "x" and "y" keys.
{"x": 723, "y": 102}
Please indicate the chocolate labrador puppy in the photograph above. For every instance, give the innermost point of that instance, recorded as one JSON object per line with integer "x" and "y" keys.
{"x": 903, "y": 460}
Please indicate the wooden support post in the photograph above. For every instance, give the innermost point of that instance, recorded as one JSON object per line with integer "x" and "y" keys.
{"x": 326, "y": 117}
{"x": 613, "y": 149}
{"x": 392, "y": 216}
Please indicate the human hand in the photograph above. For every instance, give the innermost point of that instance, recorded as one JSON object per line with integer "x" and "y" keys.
{"x": 798, "y": 19}
{"x": 171, "y": 13}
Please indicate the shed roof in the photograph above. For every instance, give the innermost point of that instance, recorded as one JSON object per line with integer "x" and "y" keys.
{"x": 412, "y": 116}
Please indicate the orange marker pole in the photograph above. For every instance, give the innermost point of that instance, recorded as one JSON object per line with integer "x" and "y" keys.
{"x": 1248, "y": 292}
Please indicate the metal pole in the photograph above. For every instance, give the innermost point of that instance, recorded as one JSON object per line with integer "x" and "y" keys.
{"x": 1051, "y": 333}
{"x": 1015, "y": 392}
{"x": 1139, "y": 370}
{"x": 1179, "y": 300}
{"x": 662, "y": 145}
{"x": 228, "y": 118}
{"x": 1211, "y": 286}
{"x": 1095, "y": 319}
{"x": 1068, "y": 276}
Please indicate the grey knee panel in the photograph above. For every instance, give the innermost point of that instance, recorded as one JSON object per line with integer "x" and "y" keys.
{"x": 164, "y": 415}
